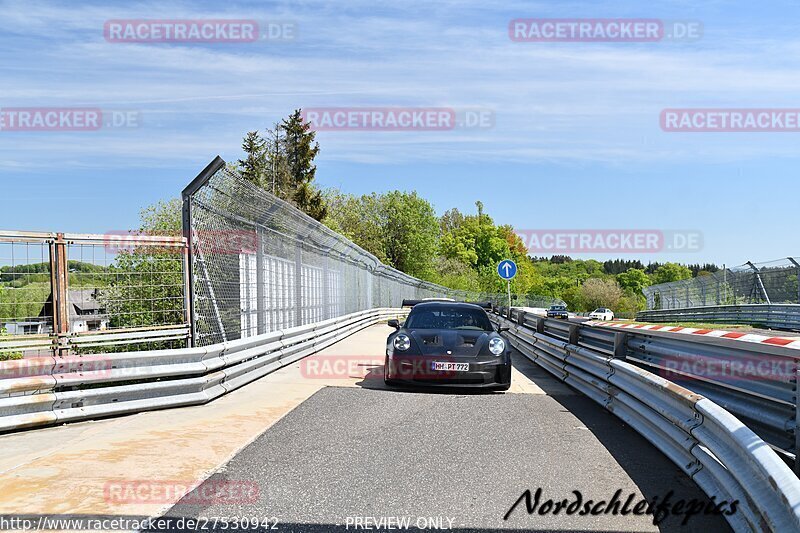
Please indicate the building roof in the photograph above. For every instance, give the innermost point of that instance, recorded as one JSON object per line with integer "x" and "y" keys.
{"x": 84, "y": 303}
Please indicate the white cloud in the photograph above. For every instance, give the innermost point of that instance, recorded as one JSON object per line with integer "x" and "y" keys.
{"x": 552, "y": 102}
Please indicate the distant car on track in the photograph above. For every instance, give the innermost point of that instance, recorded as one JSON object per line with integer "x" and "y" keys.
{"x": 557, "y": 311}
{"x": 447, "y": 344}
{"x": 602, "y": 313}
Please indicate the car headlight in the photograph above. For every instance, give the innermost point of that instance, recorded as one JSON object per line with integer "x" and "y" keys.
{"x": 402, "y": 342}
{"x": 497, "y": 345}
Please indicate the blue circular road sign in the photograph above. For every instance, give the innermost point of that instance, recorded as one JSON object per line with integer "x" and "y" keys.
{"x": 507, "y": 269}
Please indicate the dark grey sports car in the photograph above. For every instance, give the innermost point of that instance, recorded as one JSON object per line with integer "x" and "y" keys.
{"x": 447, "y": 344}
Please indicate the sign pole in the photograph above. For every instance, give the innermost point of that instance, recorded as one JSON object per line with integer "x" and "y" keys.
{"x": 508, "y": 284}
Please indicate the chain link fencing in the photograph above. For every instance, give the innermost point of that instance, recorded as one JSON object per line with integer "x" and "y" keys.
{"x": 258, "y": 264}
{"x": 772, "y": 282}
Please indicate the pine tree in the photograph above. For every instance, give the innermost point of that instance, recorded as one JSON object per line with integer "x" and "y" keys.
{"x": 254, "y": 167}
{"x": 300, "y": 150}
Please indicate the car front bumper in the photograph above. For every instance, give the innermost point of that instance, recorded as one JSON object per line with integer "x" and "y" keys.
{"x": 417, "y": 370}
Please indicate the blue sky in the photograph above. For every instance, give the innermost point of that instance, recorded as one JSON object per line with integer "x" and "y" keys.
{"x": 576, "y": 141}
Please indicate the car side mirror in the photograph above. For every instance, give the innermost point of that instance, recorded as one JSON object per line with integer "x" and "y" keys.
{"x": 502, "y": 329}
{"x": 394, "y": 323}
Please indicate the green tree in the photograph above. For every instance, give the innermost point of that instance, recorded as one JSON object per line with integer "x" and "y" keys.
{"x": 633, "y": 281}
{"x": 162, "y": 218}
{"x": 399, "y": 228}
{"x": 361, "y": 219}
{"x": 283, "y": 164}
{"x": 669, "y": 272}
{"x": 8, "y": 356}
{"x": 253, "y": 167}
{"x": 411, "y": 232}
{"x": 147, "y": 281}
{"x": 300, "y": 150}
{"x": 598, "y": 292}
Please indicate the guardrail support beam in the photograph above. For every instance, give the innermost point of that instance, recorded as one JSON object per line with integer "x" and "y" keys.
{"x": 574, "y": 334}
{"x": 540, "y": 325}
{"x": 620, "y": 345}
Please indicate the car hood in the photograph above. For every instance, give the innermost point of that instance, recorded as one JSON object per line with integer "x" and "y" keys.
{"x": 459, "y": 342}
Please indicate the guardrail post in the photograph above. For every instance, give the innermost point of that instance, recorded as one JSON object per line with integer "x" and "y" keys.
{"x": 539, "y": 325}
{"x": 620, "y": 345}
{"x": 521, "y": 318}
{"x": 574, "y": 334}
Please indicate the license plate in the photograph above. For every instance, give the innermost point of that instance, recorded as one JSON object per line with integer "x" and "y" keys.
{"x": 450, "y": 367}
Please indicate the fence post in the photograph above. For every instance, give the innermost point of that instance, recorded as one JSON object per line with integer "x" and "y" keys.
{"x": 59, "y": 279}
{"x": 298, "y": 286}
{"x": 188, "y": 274}
{"x": 261, "y": 307}
{"x": 326, "y": 297}
{"x": 368, "y": 287}
{"x": 187, "y": 288}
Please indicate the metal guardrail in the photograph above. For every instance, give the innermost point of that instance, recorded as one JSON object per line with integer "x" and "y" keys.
{"x": 722, "y": 455}
{"x": 775, "y": 316}
{"x": 757, "y": 382}
{"x": 49, "y": 390}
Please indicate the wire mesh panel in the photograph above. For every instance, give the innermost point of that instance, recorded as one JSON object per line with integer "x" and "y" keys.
{"x": 85, "y": 292}
{"x": 129, "y": 284}
{"x": 25, "y": 303}
{"x": 259, "y": 264}
{"x": 773, "y": 282}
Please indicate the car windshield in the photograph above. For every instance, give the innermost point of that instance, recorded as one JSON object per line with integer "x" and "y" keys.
{"x": 601, "y": 310}
{"x": 448, "y": 318}
{"x": 558, "y": 308}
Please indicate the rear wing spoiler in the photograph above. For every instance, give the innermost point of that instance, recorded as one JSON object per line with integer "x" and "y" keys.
{"x": 412, "y": 303}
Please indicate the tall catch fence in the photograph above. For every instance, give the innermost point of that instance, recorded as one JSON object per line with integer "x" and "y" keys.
{"x": 772, "y": 282}
{"x": 258, "y": 264}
